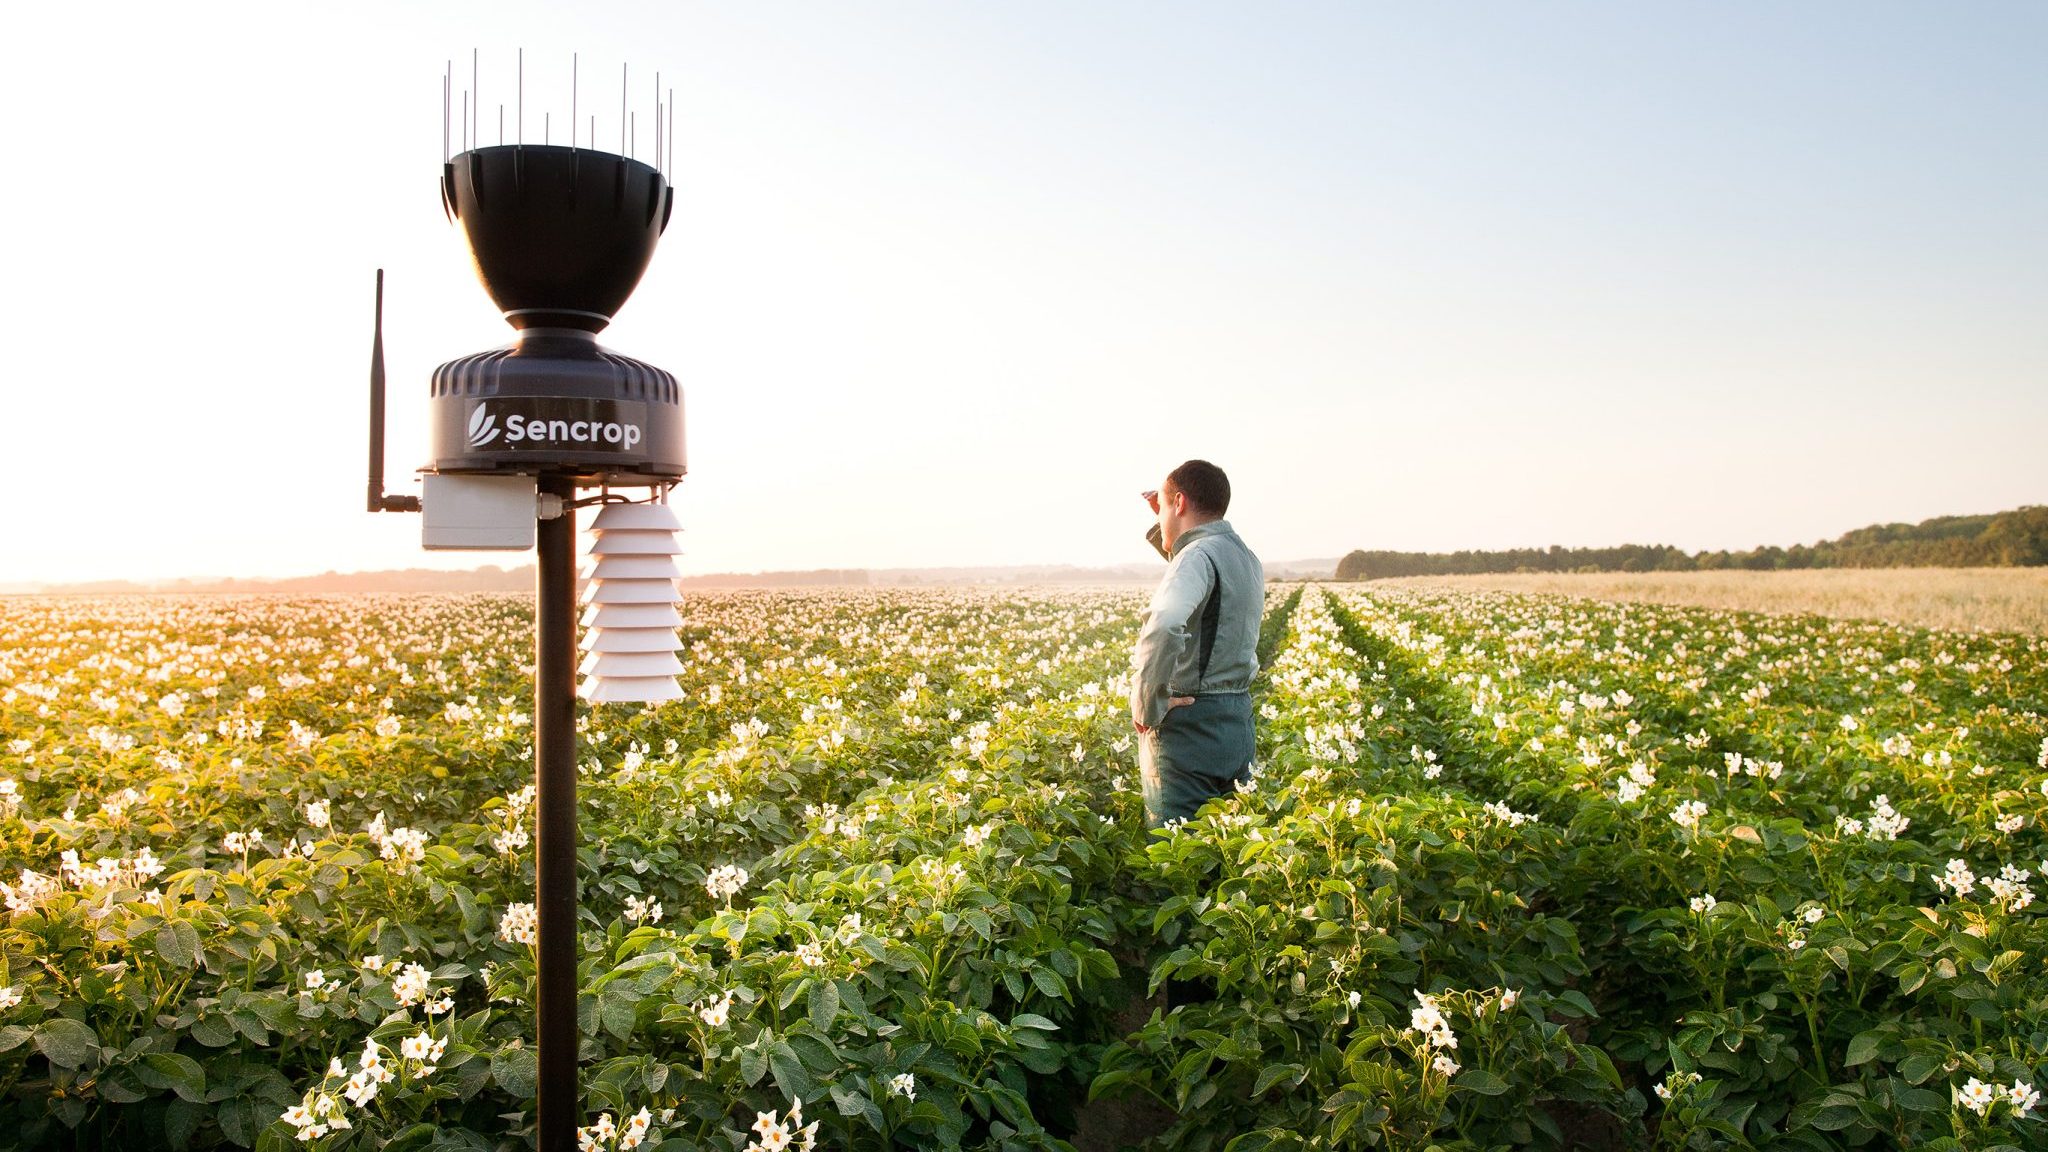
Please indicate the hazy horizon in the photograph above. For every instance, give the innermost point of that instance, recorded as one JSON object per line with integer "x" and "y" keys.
{"x": 517, "y": 561}
{"x": 947, "y": 286}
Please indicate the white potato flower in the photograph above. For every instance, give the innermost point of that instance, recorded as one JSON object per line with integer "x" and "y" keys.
{"x": 520, "y": 924}
{"x": 1977, "y": 1096}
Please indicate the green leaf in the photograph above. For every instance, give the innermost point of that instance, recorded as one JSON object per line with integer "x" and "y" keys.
{"x": 66, "y": 1042}
{"x": 850, "y": 998}
{"x": 816, "y": 1052}
{"x": 1921, "y": 1100}
{"x": 854, "y": 1101}
{"x": 120, "y": 1088}
{"x": 417, "y": 1136}
{"x": 471, "y": 1076}
{"x": 239, "y": 1120}
{"x": 275, "y": 1011}
{"x": 1582, "y": 1007}
{"x": 1911, "y": 977}
{"x": 181, "y": 1121}
{"x": 790, "y": 1075}
{"x": 1049, "y": 982}
{"x": 616, "y": 1008}
{"x": 754, "y": 1061}
{"x": 824, "y": 1005}
{"x": 1915, "y": 1069}
{"x": 14, "y": 1036}
{"x": 251, "y": 1025}
{"x": 1113, "y": 1078}
{"x": 1481, "y": 1081}
{"x": 181, "y": 1074}
{"x": 1274, "y": 1073}
{"x": 1864, "y": 1048}
{"x": 213, "y": 1032}
{"x": 178, "y": 943}
{"x": 1345, "y": 1098}
{"x": 1261, "y": 1140}
{"x": 848, "y": 1101}
{"x": 516, "y": 1070}
{"x": 790, "y": 992}
{"x": 1833, "y": 1119}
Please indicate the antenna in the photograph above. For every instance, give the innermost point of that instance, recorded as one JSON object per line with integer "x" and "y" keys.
{"x": 379, "y": 502}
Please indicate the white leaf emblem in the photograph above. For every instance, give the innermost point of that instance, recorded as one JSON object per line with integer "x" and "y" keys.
{"x": 483, "y": 427}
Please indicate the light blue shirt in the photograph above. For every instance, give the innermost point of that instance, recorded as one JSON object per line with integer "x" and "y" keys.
{"x": 1167, "y": 660}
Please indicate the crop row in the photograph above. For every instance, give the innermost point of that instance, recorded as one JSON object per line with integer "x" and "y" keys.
{"x": 1800, "y": 852}
{"x": 1384, "y": 971}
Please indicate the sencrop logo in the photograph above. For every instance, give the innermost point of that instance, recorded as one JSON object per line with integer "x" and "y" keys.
{"x": 483, "y": 427}
{"x": 538, "y": 432}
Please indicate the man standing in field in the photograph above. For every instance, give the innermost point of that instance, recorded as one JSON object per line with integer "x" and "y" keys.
{"x": 1197, "y": 649}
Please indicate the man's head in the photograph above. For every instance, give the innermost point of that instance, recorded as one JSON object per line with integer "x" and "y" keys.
{"x": 1194, "y": 493}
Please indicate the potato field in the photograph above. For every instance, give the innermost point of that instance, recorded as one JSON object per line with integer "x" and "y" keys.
{"x": 1514, "y": 871}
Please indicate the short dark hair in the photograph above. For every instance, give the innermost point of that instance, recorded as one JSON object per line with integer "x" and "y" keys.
{"x": 1205, "y": 486}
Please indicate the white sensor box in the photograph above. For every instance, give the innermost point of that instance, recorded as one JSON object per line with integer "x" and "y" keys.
{"x": 481, "y": 513}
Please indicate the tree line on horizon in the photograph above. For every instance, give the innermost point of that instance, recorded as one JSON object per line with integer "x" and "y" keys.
{"x": 2018, "y": 538}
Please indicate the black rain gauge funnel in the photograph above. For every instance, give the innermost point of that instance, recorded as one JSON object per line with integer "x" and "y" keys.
{"x": 560, "y": 237}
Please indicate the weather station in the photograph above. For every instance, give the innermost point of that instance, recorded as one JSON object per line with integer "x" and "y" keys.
{"x": 521, "y": 438}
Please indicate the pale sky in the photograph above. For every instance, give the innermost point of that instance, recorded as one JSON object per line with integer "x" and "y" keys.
{"x": 949, "y": 283}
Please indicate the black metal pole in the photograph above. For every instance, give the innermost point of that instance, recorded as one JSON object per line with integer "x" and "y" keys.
{"x": 554, "y": 734}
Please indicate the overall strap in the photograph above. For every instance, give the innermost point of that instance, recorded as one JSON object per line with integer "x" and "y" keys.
{"x": 1212, "y": 613}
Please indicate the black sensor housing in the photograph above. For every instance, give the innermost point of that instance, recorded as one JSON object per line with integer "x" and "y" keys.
{"x": 560, "y": 238}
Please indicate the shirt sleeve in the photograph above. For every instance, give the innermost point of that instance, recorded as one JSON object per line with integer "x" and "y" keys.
{"x": 1164, "y": 639}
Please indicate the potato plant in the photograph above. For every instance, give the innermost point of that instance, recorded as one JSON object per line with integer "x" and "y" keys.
{"x": 1514, "y": 872}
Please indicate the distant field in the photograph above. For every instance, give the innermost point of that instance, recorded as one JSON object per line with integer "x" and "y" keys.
{"x": 1964, "y": 599}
